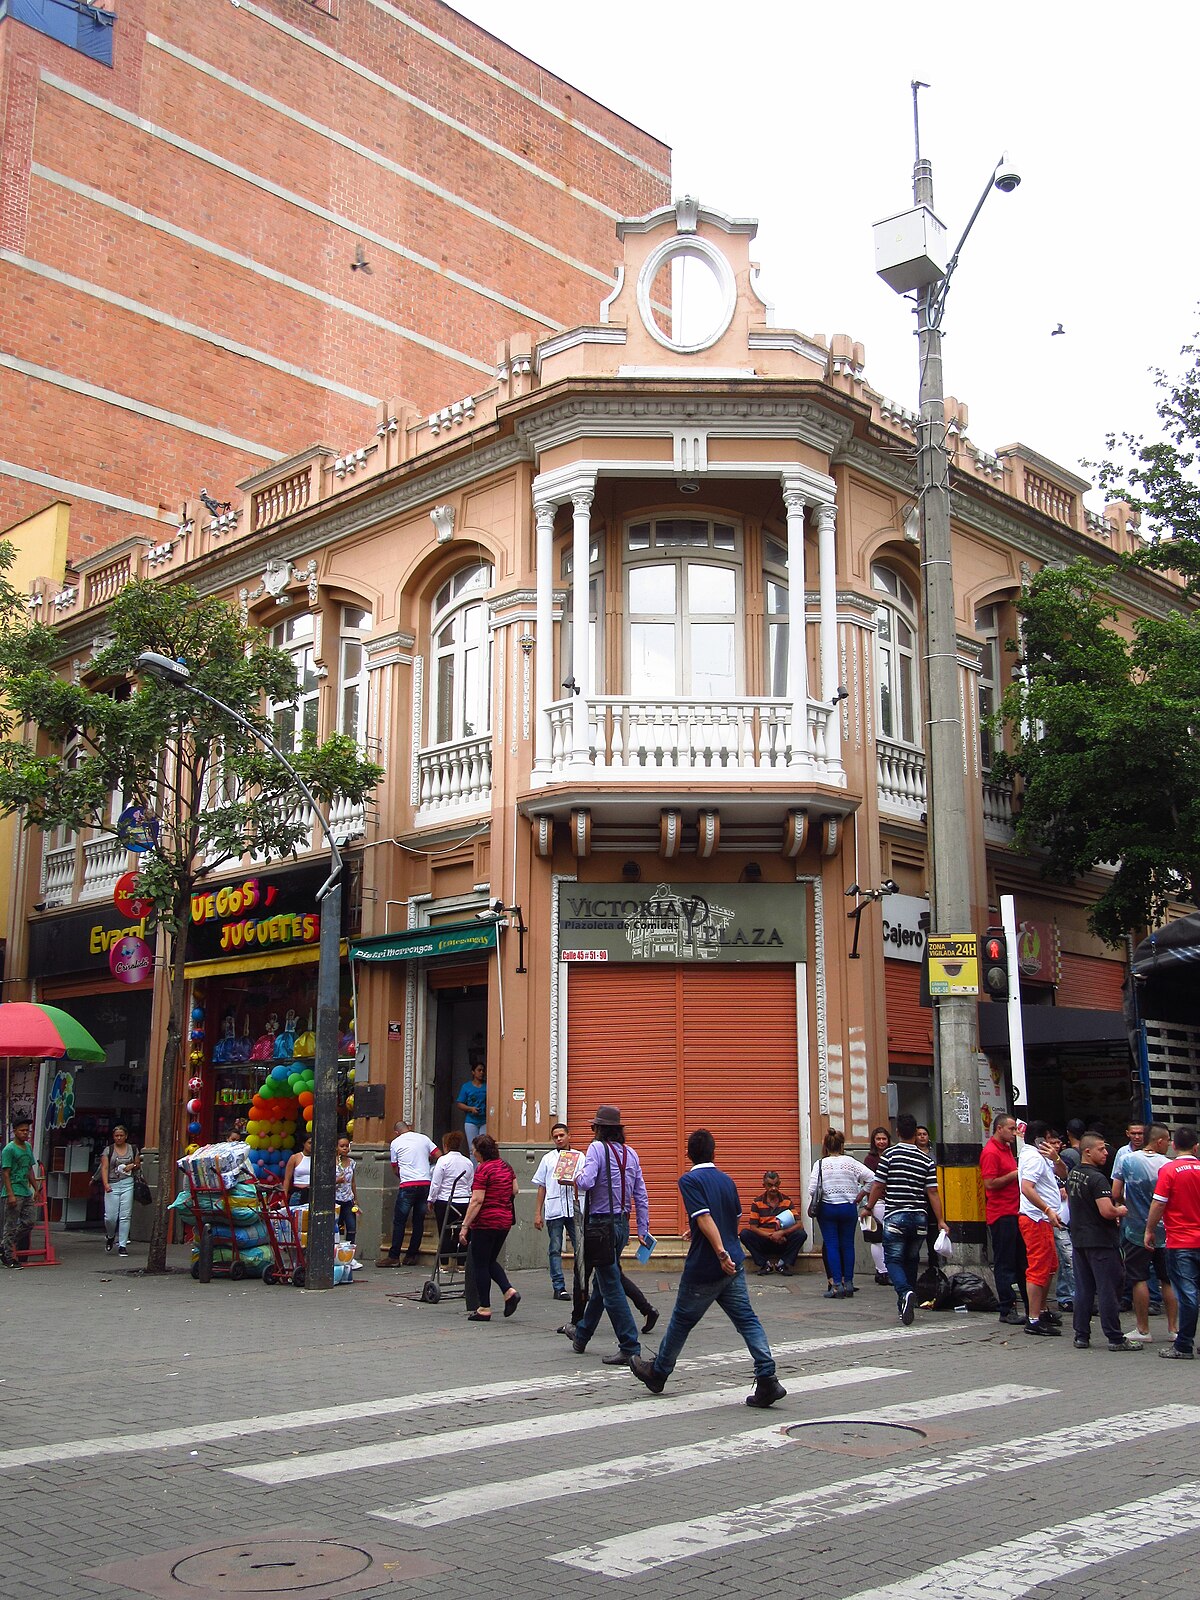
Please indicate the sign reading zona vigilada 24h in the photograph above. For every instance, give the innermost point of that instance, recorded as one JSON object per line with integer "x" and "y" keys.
{"x": 722, "y": 922}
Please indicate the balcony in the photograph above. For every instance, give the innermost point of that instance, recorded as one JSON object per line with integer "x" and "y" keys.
{"x": 901, "y": 776}
{"x": 737, "y": 739}
{"x": 997, "y": 811}
{"x": 454, "y": 778}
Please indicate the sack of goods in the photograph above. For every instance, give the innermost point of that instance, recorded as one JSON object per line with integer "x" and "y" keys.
{"x": 218, "y": 1166}
{"x": 256, "y": 1258}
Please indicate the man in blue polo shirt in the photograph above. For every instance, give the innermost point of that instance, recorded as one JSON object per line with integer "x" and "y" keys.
{"x": 713, "y": 1271}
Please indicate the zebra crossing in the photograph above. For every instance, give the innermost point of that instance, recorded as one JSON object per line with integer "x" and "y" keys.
{"x": 652, "y": 1507}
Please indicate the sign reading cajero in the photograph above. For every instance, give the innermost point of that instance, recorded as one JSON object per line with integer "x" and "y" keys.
{"x": 682, "y": 922}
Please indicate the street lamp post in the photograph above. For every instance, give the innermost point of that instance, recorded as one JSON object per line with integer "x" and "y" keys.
{"x": 956, "y": 1040}
{"x": 329, "y": 897}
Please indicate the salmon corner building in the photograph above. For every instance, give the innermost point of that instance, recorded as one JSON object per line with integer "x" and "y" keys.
{"x": 635, "y": 633}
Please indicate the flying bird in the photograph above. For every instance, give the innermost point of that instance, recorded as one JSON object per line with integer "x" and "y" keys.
{"x": 360, "y": 262}
{"x": 1058, "y": 330}
{"x": 215, "y": 506}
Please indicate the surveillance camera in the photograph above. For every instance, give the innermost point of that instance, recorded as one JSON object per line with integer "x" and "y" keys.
{"x": 1006, "y": 180}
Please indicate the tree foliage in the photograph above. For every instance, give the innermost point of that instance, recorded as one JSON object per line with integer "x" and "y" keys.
{"x": 1161, "y": 478}
{"x": 1104, "y": 733}
{"x": 80, "y": 745}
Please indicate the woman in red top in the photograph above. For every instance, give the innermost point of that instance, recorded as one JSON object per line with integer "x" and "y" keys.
{"x": 489, "y": 1217}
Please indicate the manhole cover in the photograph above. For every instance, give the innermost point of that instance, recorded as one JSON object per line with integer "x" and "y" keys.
{"x": 284, "y": 1566}
{"x": 856, "y": 1438}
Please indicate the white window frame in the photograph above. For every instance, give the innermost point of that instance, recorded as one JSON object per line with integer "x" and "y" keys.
{"x": 660, "y": 552}
{"x": 897, "y": 661}
{"x": 465, "y": 590}
{"x": 288, "y": 725}
{"x": 356, "y": 623}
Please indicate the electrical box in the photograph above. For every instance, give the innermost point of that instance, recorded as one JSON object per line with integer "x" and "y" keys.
{"x": 910, "y": 250}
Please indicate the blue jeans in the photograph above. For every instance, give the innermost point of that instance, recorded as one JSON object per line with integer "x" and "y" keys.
{"x": 554, "y": 1233}
{"x": 694, "y": 1299}
{"x": 1184, "y": 1268}
{"x": 412, "y": 1198}
{"x": 839, "y": 1225}
{"x": 1066, "y": 1265}
{"x": 608, "y": 1295}
{"x": 903, "y": 1233}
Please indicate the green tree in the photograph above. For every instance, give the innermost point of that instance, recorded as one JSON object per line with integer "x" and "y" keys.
{"x": 1104, "y": 733}
{"x": 215, "y": 795}
{"x": 1160, "y": 477}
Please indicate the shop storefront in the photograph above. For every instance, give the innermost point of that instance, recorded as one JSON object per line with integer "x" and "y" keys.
{"x": 905, "y": 919}
{"x": 98, "y": 965}
{"x": 253, "y": 949}
{"x": 685, "y": 1006}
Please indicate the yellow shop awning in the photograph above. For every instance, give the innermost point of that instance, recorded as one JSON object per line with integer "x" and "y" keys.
{"x": 310, "y": 953}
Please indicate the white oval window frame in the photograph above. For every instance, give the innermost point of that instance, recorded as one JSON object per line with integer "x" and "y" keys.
{"x": 692, "y": 245}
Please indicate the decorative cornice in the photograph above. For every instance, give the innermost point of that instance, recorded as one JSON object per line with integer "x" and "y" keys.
{"x": 655, "y": 416}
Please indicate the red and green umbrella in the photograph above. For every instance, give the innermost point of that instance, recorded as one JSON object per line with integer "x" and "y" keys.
{"x": 36, "y": 1030}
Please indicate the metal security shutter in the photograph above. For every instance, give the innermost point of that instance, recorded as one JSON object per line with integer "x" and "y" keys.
{"x": 679, "y": 1049}
{"x": 740, "y": 1074}
{"x": 1091, "y": 983}
{"x": 909, "y": 1024}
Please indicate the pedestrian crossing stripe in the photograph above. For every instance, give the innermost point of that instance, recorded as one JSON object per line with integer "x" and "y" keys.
{"x": 526, "y": 1430}
{"x": 433, "y": 1511}
{"x": 1053, "y": 1553}
{"x": 631, "y": 1554}
{"x": 470, "y": 1397}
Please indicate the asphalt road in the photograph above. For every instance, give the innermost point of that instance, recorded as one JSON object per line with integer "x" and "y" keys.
{"x": 169, "y": 1438}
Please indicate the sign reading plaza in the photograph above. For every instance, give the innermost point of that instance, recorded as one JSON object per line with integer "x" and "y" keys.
{"x": 688, "y": 922}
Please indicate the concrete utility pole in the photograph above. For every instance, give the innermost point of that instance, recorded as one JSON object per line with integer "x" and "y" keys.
{"x": 907, "y": 257}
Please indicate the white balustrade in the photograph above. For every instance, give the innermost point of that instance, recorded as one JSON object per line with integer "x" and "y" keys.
{"x": 997, "y": 811}
{"x": 901, "y": 772}
{"x": 628, "y": 734}
{"x": 104, "y": 860}
{"x": 347, "y": 820}
{"x": 58, "y": 873}
{"x": 456, "y": 776}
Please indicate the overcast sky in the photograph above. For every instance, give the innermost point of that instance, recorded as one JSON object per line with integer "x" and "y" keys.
{"x": 801, "y": 116}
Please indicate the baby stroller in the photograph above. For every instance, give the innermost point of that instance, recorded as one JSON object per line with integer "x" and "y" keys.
{"x": 449, "y": 1276}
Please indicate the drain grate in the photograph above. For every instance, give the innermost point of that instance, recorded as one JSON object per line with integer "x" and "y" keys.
{"x": 283, "y": 1566}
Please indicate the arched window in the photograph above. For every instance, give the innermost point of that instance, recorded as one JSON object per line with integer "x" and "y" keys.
{"x": 352, "y": 682}
{"x": 683, "y": 604}
{"x": 462, "y": 659}
{"x": 987, "y": 626}
{"x": 294, "y": 723}
{"x": 595, "y": 613}
{"x": 895, "y": 655}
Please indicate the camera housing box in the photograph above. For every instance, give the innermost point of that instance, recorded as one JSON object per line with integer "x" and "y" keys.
{"x": 910, "y": 250}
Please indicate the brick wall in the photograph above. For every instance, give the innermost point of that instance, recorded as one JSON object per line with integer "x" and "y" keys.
{"x": 176, "y": 301}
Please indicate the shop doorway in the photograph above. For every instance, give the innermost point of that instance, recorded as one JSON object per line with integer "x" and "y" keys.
{"x": 458, "y": 1009}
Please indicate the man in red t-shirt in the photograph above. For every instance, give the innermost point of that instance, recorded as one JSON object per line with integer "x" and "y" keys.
{"x": 1177, "y": 1204}
{"x": 1001, "y": 1199}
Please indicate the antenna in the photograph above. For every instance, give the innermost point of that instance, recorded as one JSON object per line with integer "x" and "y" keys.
{"x": 915, "y": 85}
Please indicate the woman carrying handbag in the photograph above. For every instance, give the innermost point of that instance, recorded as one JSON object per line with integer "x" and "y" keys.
{"x": 837, "y": 1185}
{"x": 118, "y": 1164}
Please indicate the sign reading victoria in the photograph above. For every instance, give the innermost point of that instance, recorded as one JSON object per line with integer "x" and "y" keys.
{"x": 682, "y": 922}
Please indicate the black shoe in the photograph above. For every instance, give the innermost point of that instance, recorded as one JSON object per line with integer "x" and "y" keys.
{"x": 1124, "y": 1345}
{"x": 108, "y": 1245}
{"x": 908, "y": 1307}
{"x": 579, "y": 1349}
{"x": 765, "y": 1272}
{"x": 1043, "y": 1330}
{"x": 1083, "y": 1344}
{"x": 1173, "y": 1353}
{"x": 1066, "y": 1305}
{"x": 787, "y": 1272}
{"x": 561, "y": 1294}
{"x": 511, "y": 1303}
{"x": 620, "y": 1359}
{"x": 766, "y": 1392}
{"x": 1012, "y": 1317}
{"x": 643, "y": 1370}
{"x": 651, "y": 1319}
{"x": 1053, "y": 1318}
{"x": 882, "y": 1279}
{"x": 567, "y": 1330}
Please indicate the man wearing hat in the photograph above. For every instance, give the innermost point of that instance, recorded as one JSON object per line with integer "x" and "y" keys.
{"x": 770, "y": 1239}
{"x": 20, "y": 1192}
{"x": 611, "y": 1178}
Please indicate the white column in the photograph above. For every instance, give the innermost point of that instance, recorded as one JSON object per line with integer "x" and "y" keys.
{"x": 581, "y": 656}
{"x": 797, "y": 667}
{"x": 827, "y": 551}
{"x": 543, "y": 512}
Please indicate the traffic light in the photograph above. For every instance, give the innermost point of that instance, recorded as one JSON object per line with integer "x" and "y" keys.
{"x": 995, "y": 964}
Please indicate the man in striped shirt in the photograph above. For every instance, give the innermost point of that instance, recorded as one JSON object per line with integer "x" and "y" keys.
{"x": 904, "y": 1179}
{"x": 771, "y": 1247}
